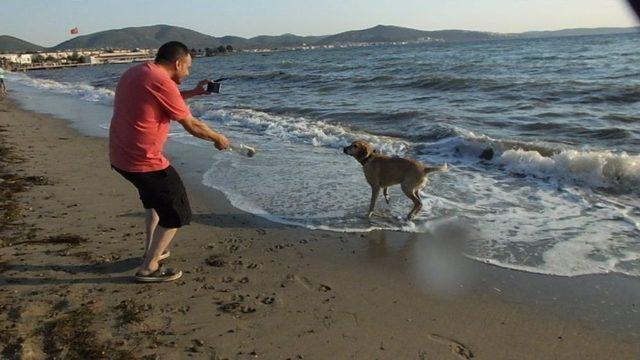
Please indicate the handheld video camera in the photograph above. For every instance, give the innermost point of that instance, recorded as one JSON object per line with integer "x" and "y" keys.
{"x": 214, "y": 86}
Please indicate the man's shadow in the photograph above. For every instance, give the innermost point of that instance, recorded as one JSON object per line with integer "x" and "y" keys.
{"x": 107, "y": 269}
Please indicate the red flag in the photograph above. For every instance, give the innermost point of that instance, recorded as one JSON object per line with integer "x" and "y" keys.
{"x": 74, "y": 30}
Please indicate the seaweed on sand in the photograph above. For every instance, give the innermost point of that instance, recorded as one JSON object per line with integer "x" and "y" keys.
{"x": 131, "y": 312}
{"x": 71, "y": 337}
{"x": 69, "y": 239}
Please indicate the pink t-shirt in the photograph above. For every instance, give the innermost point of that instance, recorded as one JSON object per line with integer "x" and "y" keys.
{"x": 146, "y": 101}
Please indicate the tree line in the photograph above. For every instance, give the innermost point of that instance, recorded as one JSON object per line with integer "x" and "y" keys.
{"x": 212, "y": 51}
{"x": 73, "y": 58}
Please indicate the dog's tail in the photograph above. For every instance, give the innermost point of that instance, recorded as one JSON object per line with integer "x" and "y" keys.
{"x": 429, "y": 169}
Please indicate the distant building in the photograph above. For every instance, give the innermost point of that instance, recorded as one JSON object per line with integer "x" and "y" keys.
{"x": 92, "y": 60}
{"x": 16, "y": 58}
{"x": 122, "y": 56}
{"x": 54, "y": 55}
{"x": 58, "y": 59}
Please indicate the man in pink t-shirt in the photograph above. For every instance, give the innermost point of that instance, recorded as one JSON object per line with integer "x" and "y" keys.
{"x": 147, "y": 99}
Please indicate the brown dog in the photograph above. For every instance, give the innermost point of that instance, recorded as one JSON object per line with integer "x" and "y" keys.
{"x": 384, "y": 171}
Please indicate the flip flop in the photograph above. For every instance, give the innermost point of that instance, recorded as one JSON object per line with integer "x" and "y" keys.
{"x": 160, "y": 275}
{"x": 162, "y": 257}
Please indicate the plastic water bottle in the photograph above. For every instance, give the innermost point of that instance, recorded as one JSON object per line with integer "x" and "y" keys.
{"x": 243, "y": 149}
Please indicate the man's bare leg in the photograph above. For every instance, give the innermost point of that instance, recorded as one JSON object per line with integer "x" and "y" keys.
{"x": 150, "y": 221}
{"x": 161, "y": 239}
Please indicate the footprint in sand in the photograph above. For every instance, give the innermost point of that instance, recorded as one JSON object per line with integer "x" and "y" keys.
{"x": 215, "y": 261}
{"x": 229, "y": 307}
{"x": 455, "y": 347}
{"x": 268, "y": 300}
{"x": 305, "y": 282}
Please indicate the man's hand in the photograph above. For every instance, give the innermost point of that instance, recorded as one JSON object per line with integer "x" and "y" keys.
{"x": 222, "y": 143}
{"x": 201, "y": 88}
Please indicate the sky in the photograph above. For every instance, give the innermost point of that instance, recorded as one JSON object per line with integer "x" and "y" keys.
{"x": 47, "y": 22}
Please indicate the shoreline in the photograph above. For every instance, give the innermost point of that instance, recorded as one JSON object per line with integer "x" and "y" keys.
{"x": 373, "y": 295}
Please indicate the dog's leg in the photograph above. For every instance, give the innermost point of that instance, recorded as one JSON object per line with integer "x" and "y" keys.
{"x": 417, "y": 194}
{"x": 417, "y": 206}
{"x": 375, "y": 191}
{"x": 385, "y": 192}
{"x": 417, "y": 203}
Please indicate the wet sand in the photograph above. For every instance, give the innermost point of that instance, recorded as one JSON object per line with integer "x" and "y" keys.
{"x": 71, "y": 232}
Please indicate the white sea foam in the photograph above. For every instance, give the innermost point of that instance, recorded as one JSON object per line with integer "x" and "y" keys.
{"x": 594, "y": 168}
{"x": 83, "y": 91}
{"x": 589, "y": 168}
{"x": 240, "y": 202}
{"x": 302, "y": 130}
{"x": 573, "y": 258}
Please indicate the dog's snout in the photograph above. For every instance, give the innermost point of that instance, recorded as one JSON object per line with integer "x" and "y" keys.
{"x": 345, "y": 149}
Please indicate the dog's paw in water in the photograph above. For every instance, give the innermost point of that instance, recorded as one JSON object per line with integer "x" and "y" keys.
{"x": 405, "y": 223}
{"x": 404, "y": 218}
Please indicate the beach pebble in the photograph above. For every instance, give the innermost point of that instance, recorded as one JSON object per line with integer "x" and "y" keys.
{"x": 198, "y": 342}
{"x": 247, "y": 309}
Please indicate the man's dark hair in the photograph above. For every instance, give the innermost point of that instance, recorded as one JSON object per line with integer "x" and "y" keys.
{"x": 172, "y": 51}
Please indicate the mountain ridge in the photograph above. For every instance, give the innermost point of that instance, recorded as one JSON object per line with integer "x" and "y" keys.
{"x": 155, "y": 35}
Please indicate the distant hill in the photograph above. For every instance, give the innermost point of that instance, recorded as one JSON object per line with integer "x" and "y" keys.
{"x": 578, "y": 32}
{"x": 156, "y": 35}
{"x": 148, "y": 37}
{"x": 12, "y": 44}
{"x": 380, "y": 33}
{"x": 463, "y": 35}
{"x": 285, "y": 40}
{"x": 387, "y": 33}
{"x": 236, "y": 41}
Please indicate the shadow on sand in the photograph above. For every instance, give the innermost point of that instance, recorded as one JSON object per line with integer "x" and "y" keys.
{"x": 228, "y": 221}
{"x": 109, "y": 268}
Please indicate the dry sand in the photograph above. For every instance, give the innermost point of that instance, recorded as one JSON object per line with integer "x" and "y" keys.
{"x": 72, "y": 238}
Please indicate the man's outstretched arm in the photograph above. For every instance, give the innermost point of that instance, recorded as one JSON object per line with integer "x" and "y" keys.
{"x": 199, "y": 129}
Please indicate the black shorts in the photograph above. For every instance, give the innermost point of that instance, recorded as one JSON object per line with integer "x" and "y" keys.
{"x": 164, "y": 192}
